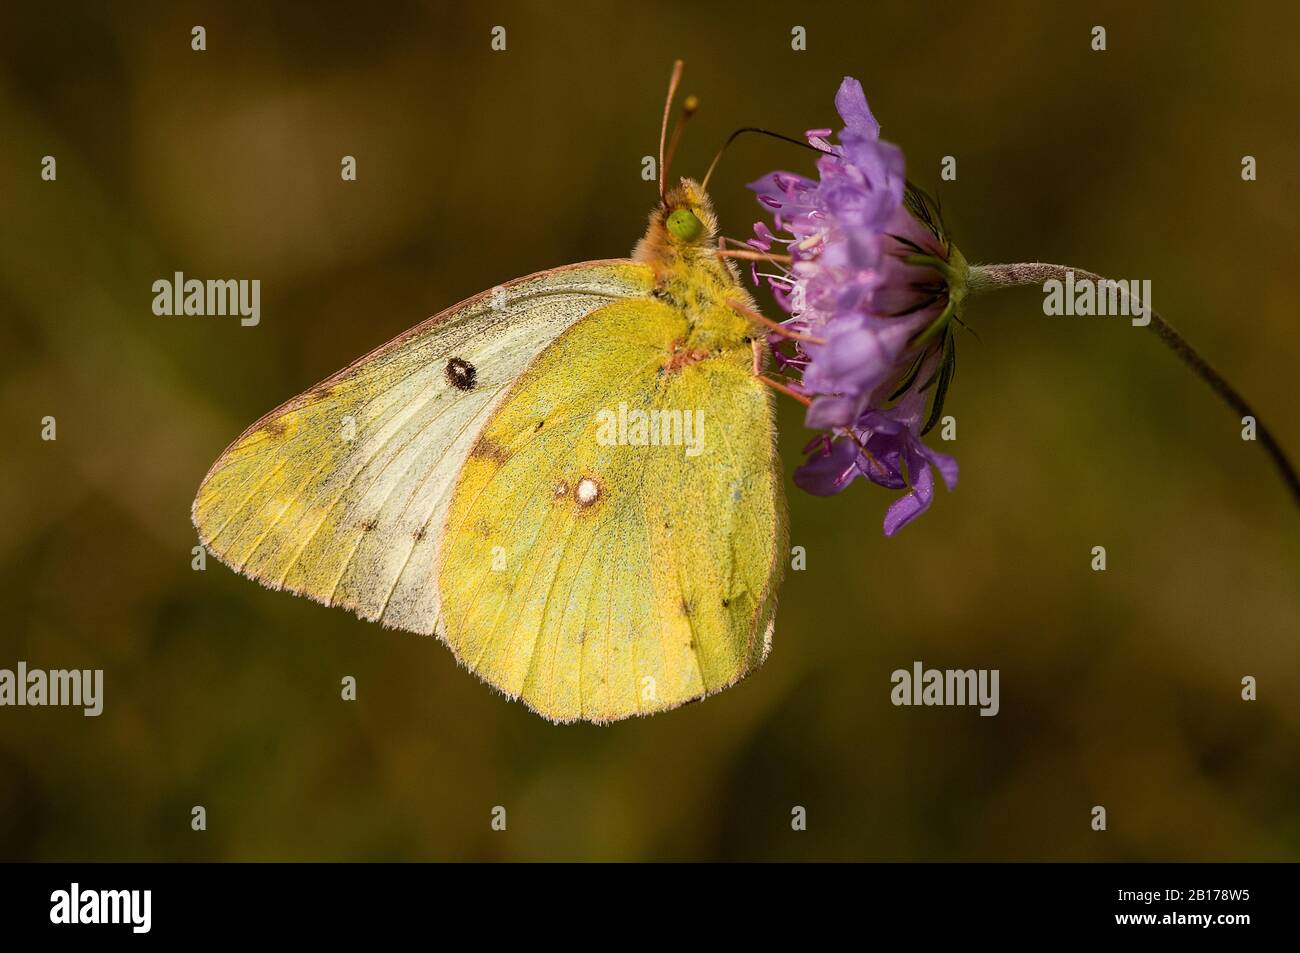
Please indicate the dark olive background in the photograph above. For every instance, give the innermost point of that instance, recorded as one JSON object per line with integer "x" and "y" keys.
{"x": 1119, "y": 688}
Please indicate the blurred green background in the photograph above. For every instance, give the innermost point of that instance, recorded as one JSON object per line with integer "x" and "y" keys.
{"x": 1118, "y": 688}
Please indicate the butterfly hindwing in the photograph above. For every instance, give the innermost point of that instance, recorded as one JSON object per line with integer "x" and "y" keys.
{"x": 340, "y": 493}
{"x": 594, "y": 573}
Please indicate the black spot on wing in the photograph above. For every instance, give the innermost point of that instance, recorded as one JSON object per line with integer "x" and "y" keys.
{"x": 461, "y": 374}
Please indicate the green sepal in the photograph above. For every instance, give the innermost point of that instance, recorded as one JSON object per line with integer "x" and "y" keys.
{"x": 908, "y": 378}
{"x": 947, "y": 367}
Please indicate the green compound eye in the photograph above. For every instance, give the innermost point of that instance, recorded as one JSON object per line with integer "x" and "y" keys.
{"x": 684, "y": 225}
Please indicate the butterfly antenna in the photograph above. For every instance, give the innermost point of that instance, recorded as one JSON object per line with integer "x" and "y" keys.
{"x": 763, "y": 132}
{"x": 689, "y": 105}
{"x": 663, "y": 130}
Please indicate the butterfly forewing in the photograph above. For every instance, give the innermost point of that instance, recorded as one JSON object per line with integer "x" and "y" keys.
{"x": 340, "y": 493}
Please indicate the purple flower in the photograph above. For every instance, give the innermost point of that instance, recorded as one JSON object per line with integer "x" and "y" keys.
{"x": 871, "y": 287}
{"x": 883, "y": 445}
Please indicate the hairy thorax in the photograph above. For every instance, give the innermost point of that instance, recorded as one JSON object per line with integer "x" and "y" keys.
{"x": 695, "y": 281}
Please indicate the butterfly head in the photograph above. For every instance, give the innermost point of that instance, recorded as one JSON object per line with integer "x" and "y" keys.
{"x": 682, "y": 226}
{"x": 687, "y": 215}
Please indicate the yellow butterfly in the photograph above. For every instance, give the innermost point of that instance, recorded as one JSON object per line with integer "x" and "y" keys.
{"x": 572, "y": 480}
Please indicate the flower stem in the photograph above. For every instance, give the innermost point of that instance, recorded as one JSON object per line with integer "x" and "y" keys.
{"x": 985, "y": 278}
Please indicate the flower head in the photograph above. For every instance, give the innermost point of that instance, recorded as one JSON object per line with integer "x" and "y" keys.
{"x": 872, "y": 286}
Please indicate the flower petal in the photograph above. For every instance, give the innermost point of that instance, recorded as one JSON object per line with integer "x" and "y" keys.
{"x": 907, "y": 508}
{"x": 946, "y": 465}
{"x": 829, "y": 472}
{"x": 851, "y": 104}
{"x": 831, "y": 411}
